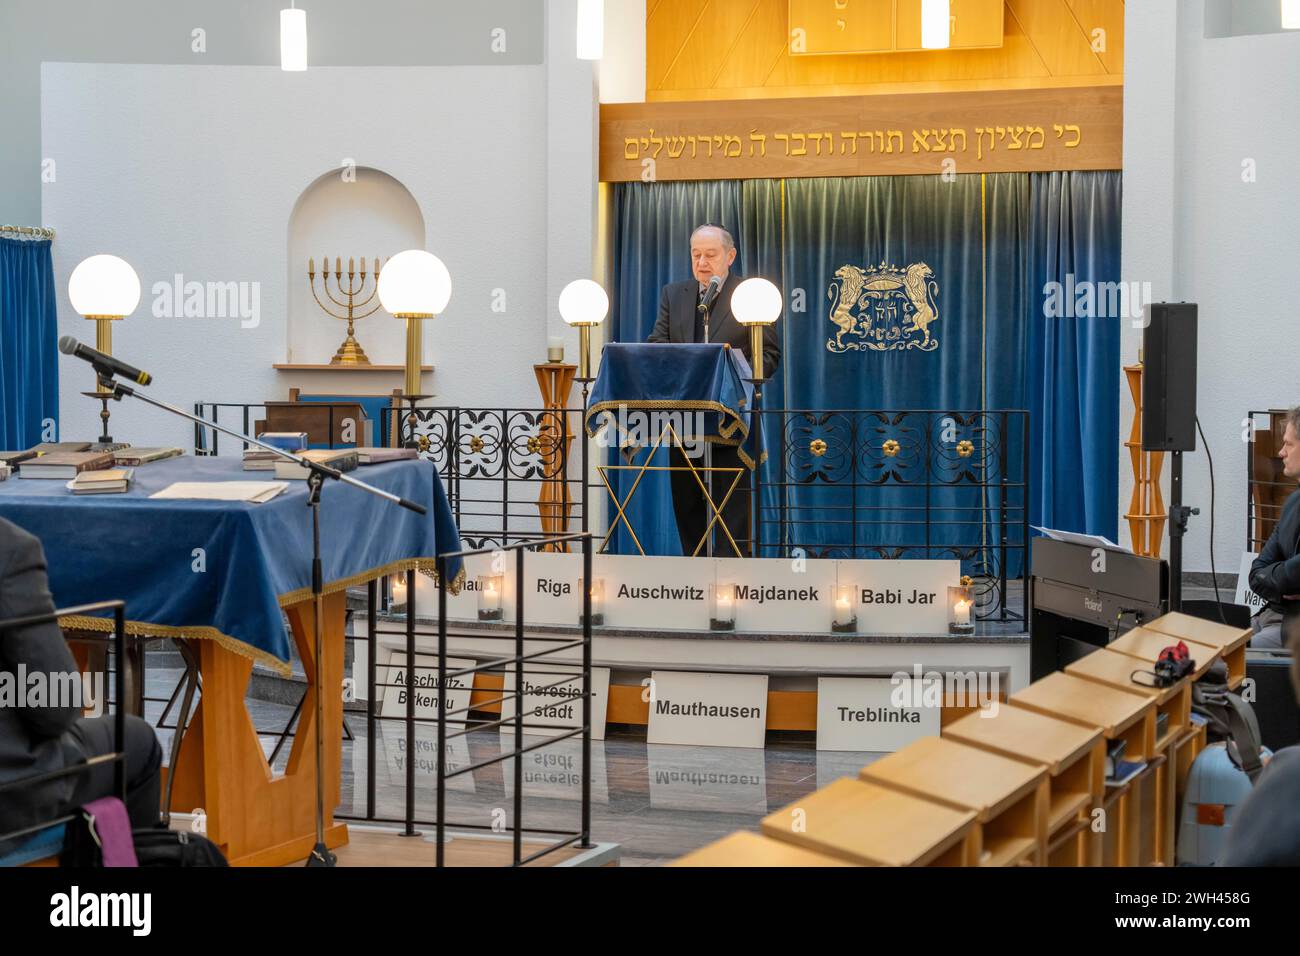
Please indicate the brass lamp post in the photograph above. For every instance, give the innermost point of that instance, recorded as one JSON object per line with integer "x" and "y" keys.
{"x": 414, "y": 286}
{"x": 584, "y": 304}
{"x": 104, "y": 289}
{"x": 757, "y": 304}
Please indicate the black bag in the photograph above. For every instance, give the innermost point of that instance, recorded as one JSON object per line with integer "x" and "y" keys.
{"x": 159, "y": 847}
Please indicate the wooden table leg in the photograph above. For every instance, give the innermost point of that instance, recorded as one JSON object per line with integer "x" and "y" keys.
{"x": 256, "y": 817}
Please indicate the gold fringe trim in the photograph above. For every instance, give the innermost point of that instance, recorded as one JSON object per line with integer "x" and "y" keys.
{"x": 427, "y": 566}
{"x": 81, "y": 622}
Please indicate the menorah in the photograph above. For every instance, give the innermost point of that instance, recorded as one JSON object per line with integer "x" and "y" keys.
{"x": 350, "y": 352}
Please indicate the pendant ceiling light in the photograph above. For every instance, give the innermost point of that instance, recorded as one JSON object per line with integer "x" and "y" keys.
{"x": 293, "y": 39}
{"x": 591, "y": 29}
{"x": 934, "y": 24}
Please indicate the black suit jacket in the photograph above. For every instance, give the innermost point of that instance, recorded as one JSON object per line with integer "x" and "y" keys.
{"x": 30, "y": 736}
{"x": 1276, "y": 572}
{"x": 676, "y": 322}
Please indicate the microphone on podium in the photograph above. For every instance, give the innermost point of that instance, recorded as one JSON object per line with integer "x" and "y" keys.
{"x": 710, "y": 294}
{"x": 103, "y": 363}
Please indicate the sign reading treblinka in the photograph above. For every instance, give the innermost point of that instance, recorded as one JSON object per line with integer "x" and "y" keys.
{"x": 875, "y": 715}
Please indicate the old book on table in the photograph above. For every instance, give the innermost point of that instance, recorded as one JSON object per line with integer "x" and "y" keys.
{"x": 142, "y": 456}
{"x": 57, "y": 464}
{"x": 260, "y": 460}
{"x": 107, "y": 481}
{"x": 252, "y": 491}
{"x": 376, "y": 456}
{"x": 340, "y": 459}
{"x": 14, "y": 458}
{"x": 49, "y": 447}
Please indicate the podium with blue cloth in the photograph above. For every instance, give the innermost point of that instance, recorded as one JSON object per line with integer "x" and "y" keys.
{"x": 221, "y": 576}
{"x": 653, "y": 402}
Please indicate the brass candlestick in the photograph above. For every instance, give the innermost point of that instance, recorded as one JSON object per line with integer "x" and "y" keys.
{"x": 350, "y": 352}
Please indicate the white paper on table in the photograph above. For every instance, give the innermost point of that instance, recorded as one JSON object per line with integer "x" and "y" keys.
{"x": 1076, "y": 537}
{"x": 254, "y": 491}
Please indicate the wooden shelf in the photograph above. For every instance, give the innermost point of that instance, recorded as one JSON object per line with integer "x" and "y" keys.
{"x": 285, "y": 367}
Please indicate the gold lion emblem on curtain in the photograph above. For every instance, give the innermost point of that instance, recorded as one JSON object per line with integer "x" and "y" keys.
{"x": 883, "y": 308}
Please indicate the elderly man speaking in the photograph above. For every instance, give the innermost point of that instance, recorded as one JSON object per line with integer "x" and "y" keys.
{"x": 713, "y": 251}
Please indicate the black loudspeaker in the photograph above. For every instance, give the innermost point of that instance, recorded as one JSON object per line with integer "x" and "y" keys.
{"x": 1169, "y": 377}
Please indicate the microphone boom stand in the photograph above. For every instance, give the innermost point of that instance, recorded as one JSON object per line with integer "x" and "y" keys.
{"x": 317, "y": 473}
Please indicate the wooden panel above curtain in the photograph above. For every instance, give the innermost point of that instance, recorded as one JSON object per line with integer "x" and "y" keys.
{"x": 1076, "y": 128}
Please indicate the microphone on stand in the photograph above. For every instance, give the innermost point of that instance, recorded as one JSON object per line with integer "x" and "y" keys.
{"x": 710, "y": 294}
{"x": 104, "y": 364}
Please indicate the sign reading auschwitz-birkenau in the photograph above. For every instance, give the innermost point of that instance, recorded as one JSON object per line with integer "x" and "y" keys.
{"x": 889, "y": 134}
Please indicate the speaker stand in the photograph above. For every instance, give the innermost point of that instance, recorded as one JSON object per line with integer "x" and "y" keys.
{"x": 1179, "y": 514}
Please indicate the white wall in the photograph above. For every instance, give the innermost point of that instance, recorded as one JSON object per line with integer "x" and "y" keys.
{"x": 196, "y": 169}
{"x": 1195, "y": 109}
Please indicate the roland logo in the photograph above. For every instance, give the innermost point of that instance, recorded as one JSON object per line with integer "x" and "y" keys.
{"x": 1092, "y": 604}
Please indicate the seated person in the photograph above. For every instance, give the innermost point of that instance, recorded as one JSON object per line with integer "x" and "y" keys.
{"x": 39, "y": 739}
{"x": 1265, "y": 830}
{"x": 1275, "y": 575}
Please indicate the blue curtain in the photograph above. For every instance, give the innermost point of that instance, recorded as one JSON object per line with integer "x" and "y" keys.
{"x": 1073, "y": 368}
{"x": 29, "y": 379}
{"x": 990, "y": 244}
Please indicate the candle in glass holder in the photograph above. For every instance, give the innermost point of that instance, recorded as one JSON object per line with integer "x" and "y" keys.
{"x": 555, "y": 349}
{"x": 724, "y": 607}
{"x": 960, "y": 600}
{"x": 597, "y": 601}
{"x": 399, "y": 590}
{"x": 489, "y": 597}
{"x": 961, "y": 612}
{"x": 846, "y": 618}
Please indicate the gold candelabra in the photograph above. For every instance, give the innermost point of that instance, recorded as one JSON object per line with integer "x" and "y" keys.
{"x": 350, "y": 352}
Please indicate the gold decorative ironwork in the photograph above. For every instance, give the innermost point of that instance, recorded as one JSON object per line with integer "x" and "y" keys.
{"x": 350, "y": 352}
{"x": 423, "y": 443}
{"x": 817, "y": 447}
{"x": 965, "y": 448}
{"x": 534, "y": 444}
{"x": 621, "y": 506}
{"x": 890, "y": 448}
{"x": 476, "y": 443}
{"x": 966, "y": 580}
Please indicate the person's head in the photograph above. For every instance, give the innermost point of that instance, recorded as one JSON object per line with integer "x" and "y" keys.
{"x": 1290, "y": 450}
{"x": 712, "y": 253}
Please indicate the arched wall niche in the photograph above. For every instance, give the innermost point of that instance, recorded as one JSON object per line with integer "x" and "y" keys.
{"x": 347, "y": 213}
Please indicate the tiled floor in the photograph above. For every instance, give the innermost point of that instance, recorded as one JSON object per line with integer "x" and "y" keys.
{"x": 656, "y": 801}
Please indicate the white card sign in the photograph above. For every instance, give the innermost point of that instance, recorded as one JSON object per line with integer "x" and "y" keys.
{"x": 713, "y": 710}
{"x": 874, "y": 714}
{"x": 1244, "y": 594}
{"x": 558, "y": 705}
{"x": 426, "y": 685}
{"x": 901, "y": 597}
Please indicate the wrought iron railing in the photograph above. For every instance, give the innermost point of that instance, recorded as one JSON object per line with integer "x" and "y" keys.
{"x": 847, "y": 483}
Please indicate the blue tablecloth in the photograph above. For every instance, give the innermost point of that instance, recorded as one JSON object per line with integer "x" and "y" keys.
{"x": 255, "y": 558}
{"x": 708, "y": 378}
